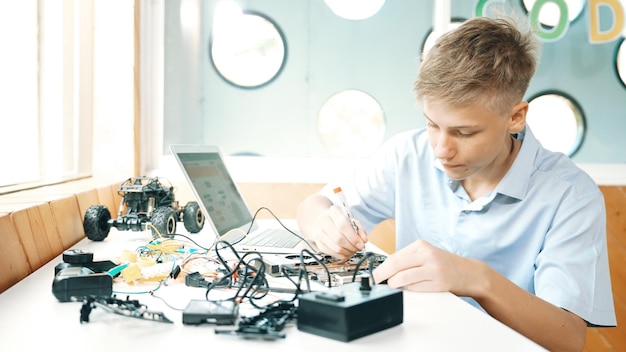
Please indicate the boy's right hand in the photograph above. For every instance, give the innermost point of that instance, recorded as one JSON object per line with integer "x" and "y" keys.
{"x": 335, "y": 236}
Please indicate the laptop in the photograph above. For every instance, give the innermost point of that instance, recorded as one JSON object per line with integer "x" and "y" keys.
{"x": 224, "y": 207}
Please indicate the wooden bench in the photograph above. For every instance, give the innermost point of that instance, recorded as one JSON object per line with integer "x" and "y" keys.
{"x": 38, "y": 225}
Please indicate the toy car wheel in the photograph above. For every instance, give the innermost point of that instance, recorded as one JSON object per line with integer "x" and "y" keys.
{"x": 96, "y": 222}
{"x": 193, "y": 218}
{"x": 164, "y": 222}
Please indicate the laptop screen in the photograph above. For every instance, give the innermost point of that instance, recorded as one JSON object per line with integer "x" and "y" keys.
{"x": 215, "y": 189}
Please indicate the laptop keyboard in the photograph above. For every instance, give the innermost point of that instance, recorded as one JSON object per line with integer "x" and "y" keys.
{"x": 279, "y": 238}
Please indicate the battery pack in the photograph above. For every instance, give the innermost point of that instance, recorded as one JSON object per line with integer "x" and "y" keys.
{"x": 209, "y": 312}
{"x": 350, "y": 311}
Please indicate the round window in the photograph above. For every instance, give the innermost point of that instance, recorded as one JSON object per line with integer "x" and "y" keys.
{"x": 355, "y": 9}
{"x": 432, "y": 36}
{"x": 549, "y": 12}
{"x": 247, "y": 50}
{"x": 351, "y": 124}
{"x": 557, "y": 121}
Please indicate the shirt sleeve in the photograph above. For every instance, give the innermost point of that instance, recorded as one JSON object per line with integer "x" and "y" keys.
{"x": 370, "y": 188}
{"x": 572, "y": 269}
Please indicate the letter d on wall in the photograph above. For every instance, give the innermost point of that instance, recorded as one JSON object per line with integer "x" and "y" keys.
{"x": 595, "y": 34}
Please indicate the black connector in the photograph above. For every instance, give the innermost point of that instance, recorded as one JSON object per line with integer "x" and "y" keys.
{"x": 196, "y": 279}
{"x": 365, "y": 284}
{"x": 175, "y": 272}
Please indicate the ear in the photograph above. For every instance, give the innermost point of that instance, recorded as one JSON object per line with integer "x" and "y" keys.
{"x": 517, "y": 117}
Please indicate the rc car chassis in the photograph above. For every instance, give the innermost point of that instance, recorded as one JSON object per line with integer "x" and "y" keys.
{"x": 146, "y": 202}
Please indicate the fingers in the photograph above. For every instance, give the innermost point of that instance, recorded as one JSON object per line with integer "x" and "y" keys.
{"x": 392, "y": 267}
{"x": 408, "y": 257}
{"x": 336, "y": 236}
{"x": 362, "y": 234}
{"x": 424, "y": 267}
{"x": 422, "y": 279}
{"x": 418, "y": 267}
{"x": 411, "y": 278}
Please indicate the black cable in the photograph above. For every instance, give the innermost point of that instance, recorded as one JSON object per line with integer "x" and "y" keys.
{"x": 370, "y": 266}
{"x": 298, "y": 289}
{"x": 303, "y": 272}
{"x": 281, "y": 224}
{"x": 319, "y": 261}
{"x": 258, "y": 274}
{"x": 230, "y": 246}
{"x": 190, "y": 240}
{"x": 250, "y": 277}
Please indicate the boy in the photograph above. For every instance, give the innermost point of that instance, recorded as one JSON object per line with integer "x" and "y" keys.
{"x": 482, "y": 210}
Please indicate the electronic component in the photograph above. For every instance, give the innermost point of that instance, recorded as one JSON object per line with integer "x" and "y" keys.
{"x": 339, "y": 273}
{"x": 83, "y": 259}
{"x": 128, "y": 308}
{"x": 77, "y": 256}
{"x": 275, "y": 262}
{"x": 347, "y": 312}
{"x": 79, "y": 276}
{"x": 196, "y": 279}
{"x": 211, "y": 312}
{"x": 81, "y": 282}
{"x": 267, "y": 325}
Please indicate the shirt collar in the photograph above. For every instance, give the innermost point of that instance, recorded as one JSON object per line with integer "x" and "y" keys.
{"x": 515, "y": 181}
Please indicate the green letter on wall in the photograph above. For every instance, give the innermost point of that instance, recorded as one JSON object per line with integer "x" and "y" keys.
{"x": 561, "y": 27}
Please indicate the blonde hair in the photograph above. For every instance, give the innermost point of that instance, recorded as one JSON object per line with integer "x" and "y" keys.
{"x": 485, "y": 60}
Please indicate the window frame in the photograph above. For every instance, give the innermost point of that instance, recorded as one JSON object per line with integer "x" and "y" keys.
{"x": 75, "y": 115}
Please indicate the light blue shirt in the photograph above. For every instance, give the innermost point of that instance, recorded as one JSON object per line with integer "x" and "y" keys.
{"x": 543, "y": 227}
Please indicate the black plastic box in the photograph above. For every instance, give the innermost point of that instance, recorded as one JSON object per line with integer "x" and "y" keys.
{"x": 348, "y": 312}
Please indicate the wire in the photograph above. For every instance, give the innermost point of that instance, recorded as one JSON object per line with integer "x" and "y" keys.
{"x": 370, "y": 264}
{"x": 281, "y": 224}
{"x": 154, "y": 228}
{"x": 296, "y": 284}
{"x": 196, "y": 257}
{"x": 319, "y": 261}
{"x": 192, "y": 241}
{"x": 164, "y": 301}
{"x": 140, "y": 292}
{"x": 247, "y": 276}
{"x": 227, "y": 245}
{"x": 245, "y": 236}
{"x": 303, "y": 273}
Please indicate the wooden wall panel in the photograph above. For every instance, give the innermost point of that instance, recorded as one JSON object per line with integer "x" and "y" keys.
{"x": 613, "y": 339}
{"x": 85, "y": 200}
{"x": 49, "y": 228}
{"x": 281, "y": 198}
{"x": 14, "y": 264}
{"x": 615, "y": 200}
{"x": 384, "y": 236}
{"x": 596, "y": 342}
{"x": 117, "y": 198}
{"x": 68, "y": 220}
{"x": 36, "y": 247}
{"x": 105, "y": 197}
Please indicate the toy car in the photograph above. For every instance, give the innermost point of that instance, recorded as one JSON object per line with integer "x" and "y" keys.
{"x": 146, "y": 203}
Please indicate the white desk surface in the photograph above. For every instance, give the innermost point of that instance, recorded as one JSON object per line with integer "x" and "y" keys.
{"x": 31, "y": 319}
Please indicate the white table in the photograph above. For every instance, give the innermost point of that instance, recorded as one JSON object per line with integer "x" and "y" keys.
{"x": 31, "y": 319}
